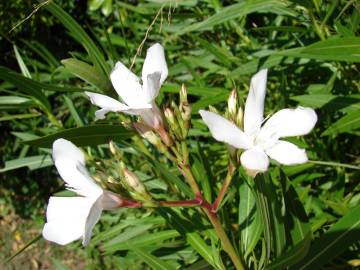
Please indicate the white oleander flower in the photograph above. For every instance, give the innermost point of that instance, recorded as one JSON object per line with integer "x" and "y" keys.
{"x": 261, "y": 141}
{"x": 72, "y": 218}
{"x": 139, "y": 99}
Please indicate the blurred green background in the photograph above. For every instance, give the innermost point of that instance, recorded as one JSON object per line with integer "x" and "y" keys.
{"x": 212, "y": 46}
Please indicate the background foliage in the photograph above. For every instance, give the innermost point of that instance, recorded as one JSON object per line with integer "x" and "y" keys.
{"x": 312, "y": 50}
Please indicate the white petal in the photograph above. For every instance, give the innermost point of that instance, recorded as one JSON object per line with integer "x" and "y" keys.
{"x": 127, "y": 85}
{"x": 70, "y": 163}
{"x": 289, "y": 122}
{"x": 92, "y": 218}
{"x": 287, "y": 153}
{"x": 225, "y": 131}
{"x": 66, "y": 218}
{"x": 254, "y": 106}
{"x": 100, "y": 114}
{"x": 106, "y": 102}
{"x": 151, "y": 86}
{"x": 155, "y": 62}
{"x": 255, "y": 160}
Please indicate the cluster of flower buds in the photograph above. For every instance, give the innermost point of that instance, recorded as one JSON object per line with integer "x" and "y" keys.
{"x": 130, "y": 183}
{"x": 178, "y": 117}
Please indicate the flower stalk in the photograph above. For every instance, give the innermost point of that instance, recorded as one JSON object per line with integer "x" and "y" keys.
{"x": 225, "y": 186}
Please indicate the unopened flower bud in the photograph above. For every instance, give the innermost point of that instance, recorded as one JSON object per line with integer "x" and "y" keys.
{"x": 232, "y": 104}
{"x": 170, "y": 117}
{"x": 185, "y": 110}
{"x": 133, "y": 182}
{"x": 150, "y": 136}
{"x": 183, "y": 94}
{"x": 240, "y": 118}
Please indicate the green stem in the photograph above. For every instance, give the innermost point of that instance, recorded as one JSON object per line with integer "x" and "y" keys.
{"x": 334, "y": 164}
{"x": 224, "y": 188}
{"x": 185, "y": 170}
{"x": 208, "y": 208}
{"x": 228, "y": 247}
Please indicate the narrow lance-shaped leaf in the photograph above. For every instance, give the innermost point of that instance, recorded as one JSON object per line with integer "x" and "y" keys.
{"x": 25, "y": 85}
{"x": 339, "y": 237}
{"x": 33, "y": 163}
{"x": 345, "y": 124}
{"x": 187, "y": 230}
{"x": 152, "y": 260}
{"x": 333, "y": 49}
{"x": 85, "y": 136}
{"x": 87, "y": 73}
{"x": 237, "y": 11}
{"x": 82, "y": 37}
{"x": 250, "y": 222}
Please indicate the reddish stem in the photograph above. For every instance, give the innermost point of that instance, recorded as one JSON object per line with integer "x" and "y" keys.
{"x": 130, "y": 204}
{"x": 224, "y": 188}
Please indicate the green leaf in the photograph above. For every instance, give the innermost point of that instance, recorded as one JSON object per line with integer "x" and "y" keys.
{"x": 194, "y": 90}
{"x": 297, "y": 227}
{"x": 31, "y": 87}
{"x": 206, "y": 101}
{"x": 186, "y": 229}
{"x": 237, "y": 11}
{"x": 33, "y": 163}
{"x": 81, "y": 36}
{"x": 297, "y": 220}
{"x": 15, "y": 102}
{"x": 42, "y": 52}
{"x": 87, "y": 73}
{"x": 79, "y": 122}
{"x": 19, "y": 116}
{"x": 25, "y": 85}
{"x": 270, "y": 206}
{"x": 339, "y": 237}
{"x": 95, "y": 4}
{"x": 347, "y": 123}
{"x": 23, "y": 67}
{"x": 250, "y": 222}
{"x": 292, "y": 256}
{"x": 199, "y": 172}
{"x": 264, "y": 62}
{"x": 333, "y": 49}
{"x": 120, "y": 233}
{"x": 330, "y": 102}
{"x": 144, "y": 240}
{"x": 107, "y": 7}
{"x": 85, "y": 136}
{"x": 151, "y": 260}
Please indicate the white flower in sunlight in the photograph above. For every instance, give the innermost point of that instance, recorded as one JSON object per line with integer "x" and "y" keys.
{"x": 139, "y": 98}
{"x": 71, "y": 218}
{"x": 262, "y": 141}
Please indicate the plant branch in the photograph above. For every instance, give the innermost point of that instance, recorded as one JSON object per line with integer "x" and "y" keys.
{"x": 225, "y": 186}
{"x": 228, "y": 247}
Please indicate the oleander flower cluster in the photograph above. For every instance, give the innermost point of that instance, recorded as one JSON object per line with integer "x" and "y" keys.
{"x": 259, "y": 140}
